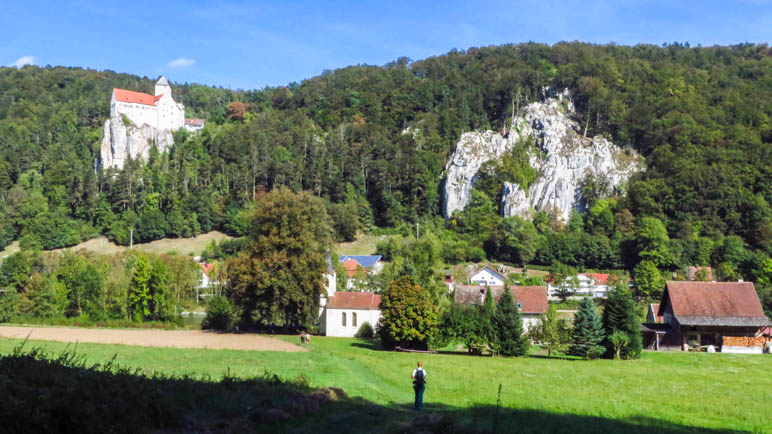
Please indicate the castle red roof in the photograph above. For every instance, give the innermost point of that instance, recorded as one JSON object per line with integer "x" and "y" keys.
{"x": 355, "y": 300}
{"x": 130, "y": 96}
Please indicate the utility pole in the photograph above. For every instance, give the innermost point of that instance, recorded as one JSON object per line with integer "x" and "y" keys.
{"x": 131, "y": 238}
{"x": 417, "y": 230}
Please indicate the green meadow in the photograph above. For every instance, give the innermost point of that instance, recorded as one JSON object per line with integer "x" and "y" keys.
{"x": 661, "y": 392}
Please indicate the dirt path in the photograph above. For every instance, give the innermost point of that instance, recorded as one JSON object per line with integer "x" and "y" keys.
{"x": 152, "y": 338}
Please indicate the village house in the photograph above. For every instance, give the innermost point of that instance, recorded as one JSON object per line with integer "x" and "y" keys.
{"x": 531, "y": 300}
{"x": 725, "y": 315}
{"x": 358, "y": 267}
{"x": 487, "y": 276}
{"x": 207, "y": 281}
{"x": 194, "y": 124}
{"x": 583, "y": 284}
{"x": 699, "y": 273}
{"x": 160, "y": 111}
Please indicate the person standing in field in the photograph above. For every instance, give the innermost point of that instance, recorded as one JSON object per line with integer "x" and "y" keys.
{"x": 419, "y": 385}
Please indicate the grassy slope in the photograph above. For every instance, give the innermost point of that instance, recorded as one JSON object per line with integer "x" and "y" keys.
{"x": 718, "y": 391}
{"x": 364, "y": 245}
{"x": 103, "y": 246}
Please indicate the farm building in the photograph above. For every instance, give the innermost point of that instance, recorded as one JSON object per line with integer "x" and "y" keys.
{"x": 531, "y": 300}
{"x": 487, "y": 276}
{"x": 726, "y": 315}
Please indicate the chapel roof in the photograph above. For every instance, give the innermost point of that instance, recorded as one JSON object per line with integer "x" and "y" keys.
{"x": 354, "y": 300}
{"x": 162, "y": 81}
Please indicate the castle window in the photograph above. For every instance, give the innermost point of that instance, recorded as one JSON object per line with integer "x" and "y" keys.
{"x": 354, "y": 319}
{"x": 343, "y": 319}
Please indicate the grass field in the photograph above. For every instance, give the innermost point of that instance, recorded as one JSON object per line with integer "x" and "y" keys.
{"x": 364, "y": 245}
{"x": 662, "y": 392}
{"x": 103, "y": 246}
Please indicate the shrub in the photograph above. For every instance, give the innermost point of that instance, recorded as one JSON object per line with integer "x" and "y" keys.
{"x": 365, "y": 331}
{"x": 219, "y": 314}
{"x": 9, "y": 304}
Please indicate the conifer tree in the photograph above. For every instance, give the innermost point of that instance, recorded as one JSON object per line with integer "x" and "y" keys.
{"x": 487, "y": 320}
{"x": 509, "y": 327}
{"x": 620, "y": 315}
{"x": 587, "y": 337}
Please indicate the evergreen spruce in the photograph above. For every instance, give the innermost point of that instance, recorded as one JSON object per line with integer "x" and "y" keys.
{"x": 620, "y": 315}
{"x": 487, "y": 322}
{"x": 588, "y": 334}
{"x": 509, "y": 327}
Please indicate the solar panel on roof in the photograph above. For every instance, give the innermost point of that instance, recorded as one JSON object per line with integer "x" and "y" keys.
{"x": 366, "y": 261}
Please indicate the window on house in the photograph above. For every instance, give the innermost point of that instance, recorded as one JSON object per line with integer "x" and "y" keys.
{"x": 343, "y": 319}
{"x": 354, "y": 319}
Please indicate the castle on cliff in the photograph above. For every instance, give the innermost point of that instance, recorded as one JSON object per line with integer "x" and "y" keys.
{"x": 159, "y": 111}
{"x": 138, "y": 122}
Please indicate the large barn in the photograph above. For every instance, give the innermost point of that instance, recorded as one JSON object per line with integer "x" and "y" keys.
{"x": 725, "y": 315}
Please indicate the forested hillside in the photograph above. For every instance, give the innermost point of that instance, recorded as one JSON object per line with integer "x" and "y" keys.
{"x": 700, "y": 116}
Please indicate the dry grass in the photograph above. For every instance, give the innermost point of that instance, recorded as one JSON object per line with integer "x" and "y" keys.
{"x": 103, "y": 246}
{"x": 364, "y": 245}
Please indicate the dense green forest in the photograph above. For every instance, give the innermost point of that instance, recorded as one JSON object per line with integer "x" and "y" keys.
{"x": 700, "y": 116}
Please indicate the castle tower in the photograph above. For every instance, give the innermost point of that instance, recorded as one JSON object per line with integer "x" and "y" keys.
{"x": 162, "y": 87}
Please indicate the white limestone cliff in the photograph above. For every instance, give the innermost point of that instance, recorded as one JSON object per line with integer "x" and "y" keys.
{"x": 122, "y": 139}
{"x": 563, "y": 161}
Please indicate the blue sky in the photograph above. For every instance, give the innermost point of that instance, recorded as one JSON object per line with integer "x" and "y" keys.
{"x": 252, "y": 44}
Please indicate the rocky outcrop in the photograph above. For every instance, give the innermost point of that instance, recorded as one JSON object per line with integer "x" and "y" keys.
{"x": 121, "y": 139}
{"x": 563, "y": 159}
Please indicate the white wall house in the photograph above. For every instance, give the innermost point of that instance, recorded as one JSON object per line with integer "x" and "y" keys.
{"x": 487, "y": 276}
{"x": 194, "y": 124}
{"x": 159, "y": 111}
{"x": 345, "y": 312}
{"x": 591, "y": 284}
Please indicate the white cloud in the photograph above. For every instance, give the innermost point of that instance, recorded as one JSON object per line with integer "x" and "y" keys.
{"x": 26, "y": 60}
{"x": 182, "y": 62}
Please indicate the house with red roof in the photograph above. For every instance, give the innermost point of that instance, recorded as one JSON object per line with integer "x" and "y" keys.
{"x": 531, "y": 300}
{"x": 584, "y": 284}
{"x": 725, "y": 315}
{"x": 194, "y": 124}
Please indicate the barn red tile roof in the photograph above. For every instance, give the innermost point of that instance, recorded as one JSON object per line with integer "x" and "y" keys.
{"x": 124, "y": 95}
{"x": 714, "y": 303}
{"x": 351, "y": 266}
{"x": 355, "y": 300}
{"x": 532, "y": 299}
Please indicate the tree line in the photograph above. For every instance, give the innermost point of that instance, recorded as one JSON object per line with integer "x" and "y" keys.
{"x": 372, "y": 141}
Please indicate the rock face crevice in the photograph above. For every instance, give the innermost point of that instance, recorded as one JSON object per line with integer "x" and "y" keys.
{"x": 121, "y": 140}
{"x": 563, "y": 158}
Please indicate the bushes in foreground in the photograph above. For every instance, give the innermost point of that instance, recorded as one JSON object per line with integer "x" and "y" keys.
{"x": 44, "y": 393}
